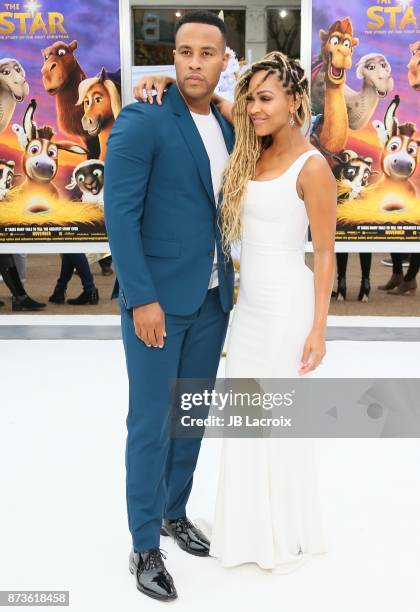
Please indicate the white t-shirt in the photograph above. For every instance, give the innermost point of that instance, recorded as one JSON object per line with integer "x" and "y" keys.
{"x": 212, "y": 137}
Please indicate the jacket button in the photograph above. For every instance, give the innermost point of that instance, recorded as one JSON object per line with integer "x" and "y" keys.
{"x": 211, "y": 253}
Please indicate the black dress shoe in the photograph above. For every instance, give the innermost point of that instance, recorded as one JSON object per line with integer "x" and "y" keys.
{"x": 187, "y": 536}
{"x": 152, "y": 577}
{"x": 24, "y": 302}
{"x": 86, "y": 297}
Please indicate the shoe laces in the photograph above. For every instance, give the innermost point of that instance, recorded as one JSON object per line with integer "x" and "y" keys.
{"x": 155, "y": 558}
{"x": 183, "y": 523}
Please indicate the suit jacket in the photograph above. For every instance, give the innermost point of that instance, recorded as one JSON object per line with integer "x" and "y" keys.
{"x": 160, "y": 211}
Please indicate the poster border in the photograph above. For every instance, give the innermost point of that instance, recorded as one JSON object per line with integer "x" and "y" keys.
{"x": 126, "y": 52}
{"x": 124, "y": 8}
{"x": 342, "y": 246}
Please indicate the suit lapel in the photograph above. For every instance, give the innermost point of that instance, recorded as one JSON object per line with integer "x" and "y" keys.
{"x": 192, "y": 138}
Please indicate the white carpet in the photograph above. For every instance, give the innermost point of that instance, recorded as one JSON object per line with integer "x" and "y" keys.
{"x": 63, "y": 516}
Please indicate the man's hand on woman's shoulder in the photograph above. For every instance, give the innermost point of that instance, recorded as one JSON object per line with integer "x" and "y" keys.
{"x": 143, "y": 88}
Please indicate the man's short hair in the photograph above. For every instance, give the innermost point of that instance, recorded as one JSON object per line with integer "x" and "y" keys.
{"x": 202, "y": 17}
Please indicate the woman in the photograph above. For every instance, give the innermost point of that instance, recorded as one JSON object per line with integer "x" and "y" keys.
{"x": 267, "y": 508}
{"x": 274, "y": 181}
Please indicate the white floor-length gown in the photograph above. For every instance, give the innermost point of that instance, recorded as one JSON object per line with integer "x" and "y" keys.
{"x": 267, "y": 507}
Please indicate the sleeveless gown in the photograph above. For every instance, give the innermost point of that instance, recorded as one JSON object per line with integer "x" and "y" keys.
{"x": 267, "y": 505}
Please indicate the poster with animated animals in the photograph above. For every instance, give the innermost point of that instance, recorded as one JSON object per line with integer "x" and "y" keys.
{"x": 365, "y": 89}
{"x": 60, "y": 92}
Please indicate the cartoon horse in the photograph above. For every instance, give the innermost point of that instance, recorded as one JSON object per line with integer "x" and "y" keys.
{"x": 101, "y": 100}
{"x": 413, "y": 66}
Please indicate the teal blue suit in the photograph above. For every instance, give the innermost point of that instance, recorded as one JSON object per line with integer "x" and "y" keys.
{"x": 161, "y": 219}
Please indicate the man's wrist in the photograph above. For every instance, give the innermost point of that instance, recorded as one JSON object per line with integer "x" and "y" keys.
{"x": 145, "y": 304}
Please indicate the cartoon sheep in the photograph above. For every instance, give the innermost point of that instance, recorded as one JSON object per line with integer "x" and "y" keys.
{"x": 89, "y": 177}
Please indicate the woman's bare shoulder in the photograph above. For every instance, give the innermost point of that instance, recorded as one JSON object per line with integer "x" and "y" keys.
{"x": 316, "y": 174}
{"x": 315, "y": 163}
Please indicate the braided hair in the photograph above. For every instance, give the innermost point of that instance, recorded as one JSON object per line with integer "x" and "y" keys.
{"x": 248, "y": 146}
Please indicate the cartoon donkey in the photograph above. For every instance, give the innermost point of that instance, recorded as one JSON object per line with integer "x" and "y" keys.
{"x": 40, "y": 157}
{"x": 399, "y": 152}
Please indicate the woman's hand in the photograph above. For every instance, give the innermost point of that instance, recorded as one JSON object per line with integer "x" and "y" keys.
{"x": 313, "y": 351}
{"x": 147, "y": 83}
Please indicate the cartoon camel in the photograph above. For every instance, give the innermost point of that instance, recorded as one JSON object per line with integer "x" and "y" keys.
{"x": 375, "y": 72}
{"x": 336, "y": 50}
{"x": 13, "y": 89}
{"x": 61, "y": 76}
{"x": 414, "y": 66}
{"x": 101, "y": 100}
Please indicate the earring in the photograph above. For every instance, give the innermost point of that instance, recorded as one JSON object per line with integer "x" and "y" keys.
{"x": 292, "y": 121}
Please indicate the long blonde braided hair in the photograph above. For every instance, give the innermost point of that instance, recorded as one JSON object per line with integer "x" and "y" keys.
{"x": 248, "y": 146}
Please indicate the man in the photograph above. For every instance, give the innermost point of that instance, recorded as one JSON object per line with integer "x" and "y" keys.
{"x": 163, "y": 175}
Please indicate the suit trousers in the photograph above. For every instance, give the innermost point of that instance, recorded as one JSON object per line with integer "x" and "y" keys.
{"x": 160, "y": 468}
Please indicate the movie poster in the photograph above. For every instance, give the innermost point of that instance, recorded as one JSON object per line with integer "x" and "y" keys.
{"x": 365, "y": 114}
{"x": 60, "y": 92}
